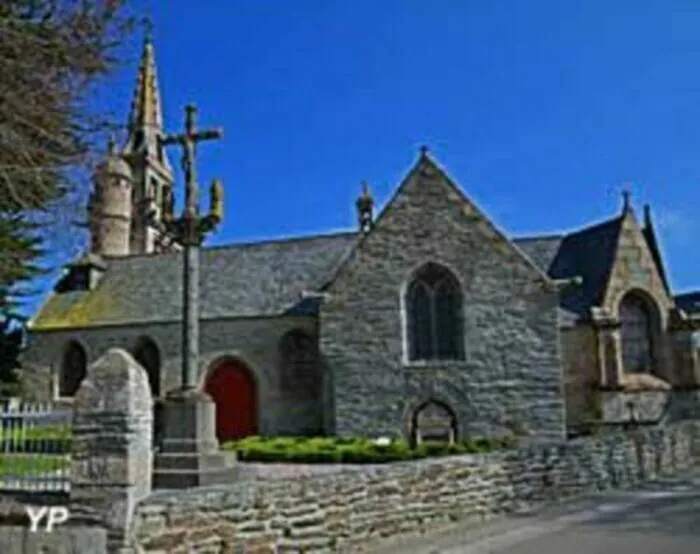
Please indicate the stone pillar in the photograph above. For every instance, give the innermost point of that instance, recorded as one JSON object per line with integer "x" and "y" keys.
{"x": 189, "y": 454}
{"x": 112, "y": 462}
{"x": 685, "y": 359}
{"x": 610, "y": 357}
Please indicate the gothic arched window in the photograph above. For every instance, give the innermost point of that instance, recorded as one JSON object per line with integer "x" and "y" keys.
{"x": 636, "y": 333}
{"x": 434, "y": 315}
{"x": 73, "y": 369}
{"x": 298, "y": 362}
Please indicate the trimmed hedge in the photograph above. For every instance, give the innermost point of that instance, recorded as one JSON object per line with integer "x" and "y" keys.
{"x": 325, "y": 450}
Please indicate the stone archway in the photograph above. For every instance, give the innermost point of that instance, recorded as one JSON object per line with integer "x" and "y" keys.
{"x": 433, "y": 421}
{"x": 232, "y": 387}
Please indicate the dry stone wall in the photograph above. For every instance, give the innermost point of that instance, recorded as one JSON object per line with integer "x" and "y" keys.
{"x": 342, "y": 512}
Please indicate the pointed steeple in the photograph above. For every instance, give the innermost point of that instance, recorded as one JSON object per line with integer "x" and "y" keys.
{"x": 146, "y": 107}
{"x": 153, "y": 175}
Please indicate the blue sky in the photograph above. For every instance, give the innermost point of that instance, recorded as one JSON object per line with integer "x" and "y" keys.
{"x": 542, "y": 111}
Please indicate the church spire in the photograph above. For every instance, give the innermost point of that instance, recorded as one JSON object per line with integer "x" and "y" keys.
{"x": 146, "y": 107}
{"x": 153, "y": 176}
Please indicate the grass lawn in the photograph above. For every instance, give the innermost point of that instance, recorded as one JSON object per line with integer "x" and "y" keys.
{"x": 29, "y": 465}
{"x": 39, "y": 433}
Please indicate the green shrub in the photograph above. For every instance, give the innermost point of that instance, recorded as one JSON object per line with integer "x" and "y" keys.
{"x": 354, "y": 450}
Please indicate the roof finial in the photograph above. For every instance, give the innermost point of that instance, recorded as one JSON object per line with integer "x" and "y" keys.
{"x": 111, "y": 145}
{"x": 365, "y": 189}
{"x": 146, "y": 105}
{"x": 626, "y": 200}
{"x": 423, "y": 150}
{"x": 148, "y": 30}
{"x": 365, "y": 208}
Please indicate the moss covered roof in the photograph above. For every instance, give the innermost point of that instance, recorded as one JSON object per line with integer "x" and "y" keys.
{"x": 265, "y": 278}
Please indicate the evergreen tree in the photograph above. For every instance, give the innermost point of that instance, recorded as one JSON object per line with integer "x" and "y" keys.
{"x": 11, "y": 345}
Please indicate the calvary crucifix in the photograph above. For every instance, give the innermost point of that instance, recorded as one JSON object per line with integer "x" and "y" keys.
{"x": 189, "y": 230}
{"x": 188, "y": 140}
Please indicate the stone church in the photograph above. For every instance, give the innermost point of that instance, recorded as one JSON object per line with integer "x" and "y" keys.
{"x": 425, "y": 320}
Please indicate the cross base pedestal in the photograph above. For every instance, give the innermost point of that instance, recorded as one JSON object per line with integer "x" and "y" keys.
{"x": 189, "y": 454}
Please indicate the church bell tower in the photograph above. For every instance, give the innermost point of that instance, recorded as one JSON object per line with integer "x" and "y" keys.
{"x": 151, "y": 170}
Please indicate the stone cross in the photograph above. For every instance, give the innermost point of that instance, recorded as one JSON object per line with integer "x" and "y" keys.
{"x": 188, "y": 140}
{"x": 112, "y": 460}
{"x": 189, "y": 232}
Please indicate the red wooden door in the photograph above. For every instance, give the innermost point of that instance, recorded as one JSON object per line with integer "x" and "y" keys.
{"x": 232, "y": 387}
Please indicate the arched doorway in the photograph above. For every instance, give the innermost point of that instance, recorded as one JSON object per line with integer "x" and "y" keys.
{"x": 232, "y": 387}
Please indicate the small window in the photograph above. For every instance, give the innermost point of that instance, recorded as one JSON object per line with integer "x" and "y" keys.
{"x": 435, "y": 422}
{"x": 298, "y": 362}
{"x": 154, "y": 190}
{"x": 73, "y": 370}
{"x": 434, "y": 315}
{"x": 147, "y": 355}
{"x": 636, "y": 334}
{"x": 138, "y": 140}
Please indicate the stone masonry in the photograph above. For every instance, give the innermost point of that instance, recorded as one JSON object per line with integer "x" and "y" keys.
{"x": 111, "y": 467}
{"x": 111, "y": 458}
{"x": 346, "y": 512}
{"x": 254, "y": 340}
{"x": 510, "y": 379}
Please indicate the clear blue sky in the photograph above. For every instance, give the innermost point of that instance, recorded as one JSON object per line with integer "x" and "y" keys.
{"x": 542, "y": 111}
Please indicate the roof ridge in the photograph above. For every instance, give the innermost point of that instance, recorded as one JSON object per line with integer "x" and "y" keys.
{"x": 687, "y": 294}
{"x": 595, "y": 226}
{"x": 235, "y": 245}
{"x": 550, "y": 236}
{"x": 281, "y": 240}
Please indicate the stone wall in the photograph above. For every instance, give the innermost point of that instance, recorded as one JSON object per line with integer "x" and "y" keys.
{"x": 581, "y": 374}
{"x": 255, "y": 341}
{"x": 342, "y": 512}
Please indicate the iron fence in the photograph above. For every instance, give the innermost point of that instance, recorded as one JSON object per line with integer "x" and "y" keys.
{"x": 35, "y": 444}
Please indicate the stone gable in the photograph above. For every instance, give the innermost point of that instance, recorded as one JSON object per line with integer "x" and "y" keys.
{"x": 510, "y": 376}
{"x": 634, "y": 267}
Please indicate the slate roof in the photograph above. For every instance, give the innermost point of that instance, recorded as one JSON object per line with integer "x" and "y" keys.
{"x": 264, "y": 278}
{"x": 541, "y": 250}
{"x": 588, "y": 253}
{"x": 267, "y": 278}
{"x": 689, "y": 302}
